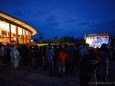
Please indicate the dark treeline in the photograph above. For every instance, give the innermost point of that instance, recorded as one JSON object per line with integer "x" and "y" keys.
{"x": 65, "y": 39}
{"x": 56, "y": 39}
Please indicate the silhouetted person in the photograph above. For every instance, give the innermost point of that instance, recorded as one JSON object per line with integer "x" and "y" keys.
{"x": 50, "y": 56}
{"x": 88, "y": 65}
{"x": 33, "y": 56}
{"x": 70, "y": 57}
{"x": 7, "y": 53}
{"x": 104, "y": 55}
{"x": 55, "y": 59}
{"x": 62, "y": 57}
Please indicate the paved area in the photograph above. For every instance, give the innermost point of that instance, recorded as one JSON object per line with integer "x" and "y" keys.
{"x": 111, "y": 77}
{"x": 35, "y": 77}
{"x": 28, "y": 76}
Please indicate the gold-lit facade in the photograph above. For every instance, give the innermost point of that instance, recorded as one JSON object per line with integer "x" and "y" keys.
{"x": 14, "y": 30}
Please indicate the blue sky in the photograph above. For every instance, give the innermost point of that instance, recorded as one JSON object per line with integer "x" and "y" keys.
{"x": 64, "y": 17}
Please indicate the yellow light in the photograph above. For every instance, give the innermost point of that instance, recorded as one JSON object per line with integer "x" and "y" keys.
{"x": 4, "y": 25}
{"x": 13, "y": 29}
{"x": 43, "y": 44}
{"x": 19, "y": 31}
{"x": 26, "y": 32}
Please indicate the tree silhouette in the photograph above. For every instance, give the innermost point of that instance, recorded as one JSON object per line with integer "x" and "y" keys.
{"x": 41, "y": 38}
{"x": 55, "y": 39}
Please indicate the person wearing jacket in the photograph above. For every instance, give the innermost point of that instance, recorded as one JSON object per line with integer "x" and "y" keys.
{"x": 62, "y": 56}
{"x": 15, "y": 56}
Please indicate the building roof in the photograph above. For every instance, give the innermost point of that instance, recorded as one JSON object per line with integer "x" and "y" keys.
{"x": 15, "y": 21}
{"x": 92, "y": 35}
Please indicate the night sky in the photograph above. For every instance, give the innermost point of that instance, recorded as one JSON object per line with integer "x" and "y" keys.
{"x": 64, "y": 17}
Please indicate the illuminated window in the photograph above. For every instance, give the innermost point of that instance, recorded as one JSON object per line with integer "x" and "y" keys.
{"x": 13, "y": 29}
{"x": 19, "y": 31}
{"x": 4, "y": 25}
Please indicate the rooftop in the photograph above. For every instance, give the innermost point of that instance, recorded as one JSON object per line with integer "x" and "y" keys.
{"x": 15, "y": 21}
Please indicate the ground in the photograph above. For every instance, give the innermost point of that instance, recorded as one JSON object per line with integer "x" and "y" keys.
{"x": 28, "y": 76}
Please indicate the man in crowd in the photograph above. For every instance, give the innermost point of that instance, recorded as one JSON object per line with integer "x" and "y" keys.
{"x": 15, "y": 57}
{"x": 50, "y": 56}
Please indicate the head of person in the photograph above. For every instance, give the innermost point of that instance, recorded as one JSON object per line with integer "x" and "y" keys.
{"x": 92, "y": 50}
{"x": 13, "y": 45}
{"x": 49, "y": 46}
{"x": 35, "y": 46}
{"x": 103, "y": 46}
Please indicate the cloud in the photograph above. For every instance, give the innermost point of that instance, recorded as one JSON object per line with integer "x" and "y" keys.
{"x": 51, "y": 23}
{"x": 108, "y": 27}
{"x": 51, "y": 19}
{"x": 49, "y": 27}
{"x": 83, "y": 28}
{"x": 70, "y": 21}
{"x": 83, "y": 24}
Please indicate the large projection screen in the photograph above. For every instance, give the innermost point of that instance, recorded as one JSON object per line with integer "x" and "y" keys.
{"x": 95, "y": 40}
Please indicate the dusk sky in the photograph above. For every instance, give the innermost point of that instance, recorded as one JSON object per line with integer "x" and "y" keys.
{"x": 64, "y": 17}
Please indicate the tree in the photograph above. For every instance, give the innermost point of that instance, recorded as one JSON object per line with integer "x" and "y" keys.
{"x": 41, "y": 38}
{"x": 69, "y": 39}
{"x": 55, "y": 39}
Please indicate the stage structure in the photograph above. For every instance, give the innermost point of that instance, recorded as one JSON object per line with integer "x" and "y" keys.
{"x": 96, "y": 40}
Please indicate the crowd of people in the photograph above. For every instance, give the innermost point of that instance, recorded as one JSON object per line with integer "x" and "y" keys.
{"x": 59, "y": 59}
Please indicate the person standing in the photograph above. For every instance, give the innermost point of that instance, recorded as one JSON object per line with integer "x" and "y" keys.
{"x": 70, "y": 57}
{"x": 50, "y": 56}
{"x": 15, "y": 57}
{"x": 2, "y": 54}
{"x": 104, "y": 54}
{"x": 62, "y": 57}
